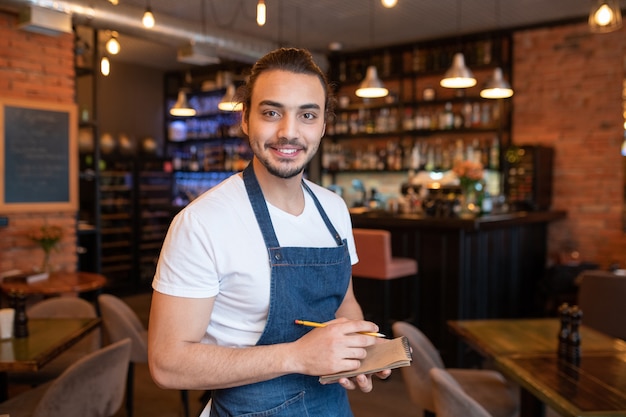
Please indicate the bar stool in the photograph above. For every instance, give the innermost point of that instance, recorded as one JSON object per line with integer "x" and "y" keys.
{"x": 376, "y": 262}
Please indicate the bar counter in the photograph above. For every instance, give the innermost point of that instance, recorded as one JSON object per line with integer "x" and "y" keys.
{"x": 485, "y": 267}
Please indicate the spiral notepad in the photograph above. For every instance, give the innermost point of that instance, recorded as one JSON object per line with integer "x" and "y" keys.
{"x": 388, "y": 354}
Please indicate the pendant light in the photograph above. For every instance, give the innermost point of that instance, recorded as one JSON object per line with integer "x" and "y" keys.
{"x": 605, "y": 16}
{"x": 181, "y": 107}
{"x": 371, "y": 86}
{"x": 389, "y": 3}
{"x": 113, "y": 45}
{"x": 496, "y": 86}
{"x": 229, "y": 102}
{"x": 261, "y": 13}
{"x": 105, "y": 66}
{"x": 458, "y": 75}
{"x": 148, "y": 20}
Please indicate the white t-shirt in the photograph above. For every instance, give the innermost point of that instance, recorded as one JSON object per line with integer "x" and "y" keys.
{"x": 215, "y": 248}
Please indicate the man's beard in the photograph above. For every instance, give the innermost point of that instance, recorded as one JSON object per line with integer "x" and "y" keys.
{"x": 284, "y": 171}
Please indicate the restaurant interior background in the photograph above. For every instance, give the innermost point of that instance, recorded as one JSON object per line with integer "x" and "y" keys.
{"x": 568, "y": 85}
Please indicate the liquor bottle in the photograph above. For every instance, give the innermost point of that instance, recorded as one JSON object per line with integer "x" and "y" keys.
{"x": 494, "y": 154}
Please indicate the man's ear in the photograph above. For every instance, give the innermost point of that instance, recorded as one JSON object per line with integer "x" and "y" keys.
{"x": 244, "y": 126}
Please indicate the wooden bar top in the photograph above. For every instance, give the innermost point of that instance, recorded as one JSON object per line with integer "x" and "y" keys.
{"x": 380, "y": 218}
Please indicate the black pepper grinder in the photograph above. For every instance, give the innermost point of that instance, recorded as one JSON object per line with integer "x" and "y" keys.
{"x": 564, "y": 331}
{"x": 20, "y": 324}
{"x": 573, "y": 340}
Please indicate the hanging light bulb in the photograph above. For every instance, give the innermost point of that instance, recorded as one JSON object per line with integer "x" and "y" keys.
{"x": 458, "y": 75}
{"x": 229, "y": 102}
{"x": 105, "y": 66}
{"x": 389, "y": 3}
{"x": 113, "y": 45}
{"x": 371, "y": 86}
{"x": 148, "y": 18}
{"x": 182, "y": 107}
{"x": 496, "y": 86}
{"x": 605, "y": 16}
{"x": 260, "y": 13}
{"x": 114, "y": 2}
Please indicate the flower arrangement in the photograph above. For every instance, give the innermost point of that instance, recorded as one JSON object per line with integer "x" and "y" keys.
{"x": 469, "y": 173}
{"x": 47, "y": 237}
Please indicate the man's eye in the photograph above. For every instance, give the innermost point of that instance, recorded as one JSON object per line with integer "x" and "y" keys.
{"x": 309, "y": 116}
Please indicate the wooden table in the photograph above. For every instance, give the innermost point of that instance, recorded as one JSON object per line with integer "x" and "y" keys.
{"x": 57, "y": 283}
{"x": 525, "y": 350}
{"x": 47, "y": 339}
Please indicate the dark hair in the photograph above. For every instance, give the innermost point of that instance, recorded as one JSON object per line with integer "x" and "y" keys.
{"x": 298, "y": 61}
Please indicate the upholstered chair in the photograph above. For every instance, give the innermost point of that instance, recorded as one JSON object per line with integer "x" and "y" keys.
{"x": 121, "y": 322}
{"x": 489, "y": 388}
{"x": 602, "y": 298}
{"x": 92, "y": 386}
{"x": 450, "y": 399}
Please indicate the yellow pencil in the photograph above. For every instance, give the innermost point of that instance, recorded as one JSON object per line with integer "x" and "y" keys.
{"x": 314, "y": 324}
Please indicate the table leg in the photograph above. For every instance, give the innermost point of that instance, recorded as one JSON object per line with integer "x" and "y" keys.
{"x": 530, "y": 405}
{"x": 4, "y": 386}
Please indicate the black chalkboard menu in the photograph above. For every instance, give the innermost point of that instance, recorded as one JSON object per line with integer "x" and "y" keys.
{"x": 37, "y": 156}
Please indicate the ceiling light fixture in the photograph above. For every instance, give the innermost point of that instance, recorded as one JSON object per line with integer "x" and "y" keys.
{"x": 113, "y": 45}
{"x": 105, "y": 66}
{"x": 371, "y": 86}
{"x": 148, "y": 20}
{"x": 605, "y": 16}
{"x": 229, "y": 102}
{"x": 114, "y": 2}
{"x": 261, "y": 13}
{"x": 182, "y": 108}
{"x": 389, "y": 3}
{"x": 458, "y": 75}
{"x": 496, "y": 86}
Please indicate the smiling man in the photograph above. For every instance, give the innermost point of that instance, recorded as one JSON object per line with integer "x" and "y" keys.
{"x": 249, "y": 257}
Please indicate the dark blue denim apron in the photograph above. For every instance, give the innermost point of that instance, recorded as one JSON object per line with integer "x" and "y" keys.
{"x": 308, "y": 284}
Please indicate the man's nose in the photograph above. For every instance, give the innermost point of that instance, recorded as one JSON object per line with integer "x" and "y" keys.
{"x": 288, "y": 127}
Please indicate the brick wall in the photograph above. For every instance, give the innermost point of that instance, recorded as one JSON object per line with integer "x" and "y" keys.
{"x": 39, "y": 68}
{"x": 568, "y": 95}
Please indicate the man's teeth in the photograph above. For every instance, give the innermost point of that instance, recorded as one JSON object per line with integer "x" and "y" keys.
{"x": 288, "y": 150}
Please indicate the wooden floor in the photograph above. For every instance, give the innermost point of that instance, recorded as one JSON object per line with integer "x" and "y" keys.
{"x": 388, "y": 398}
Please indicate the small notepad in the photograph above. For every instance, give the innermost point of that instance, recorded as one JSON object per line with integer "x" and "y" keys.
{"x": 387, "y": 354}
